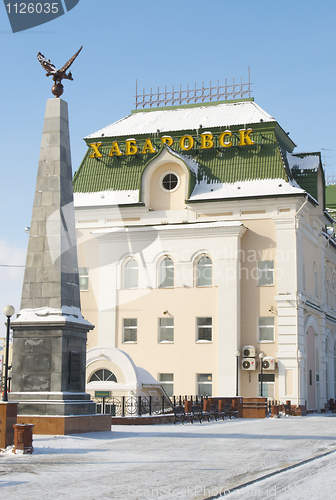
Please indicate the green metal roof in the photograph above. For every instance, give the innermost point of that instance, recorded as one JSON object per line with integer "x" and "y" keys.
{"x": 265, "y": 159}
{"x": 308, "y": 178}
{"x": 331, "y": 197}
{"x": 238, "y": 163}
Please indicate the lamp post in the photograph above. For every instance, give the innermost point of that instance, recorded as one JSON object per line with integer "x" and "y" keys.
{"x": 261, "y": 356}
{"x": 237, "y": 371}
{"x": 8, "y": 311}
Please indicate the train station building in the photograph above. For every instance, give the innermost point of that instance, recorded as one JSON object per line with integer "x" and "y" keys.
{"x": 206, "y": 256}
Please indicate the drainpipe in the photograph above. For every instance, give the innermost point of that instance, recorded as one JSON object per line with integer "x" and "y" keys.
{"x": 298, "y": 353}
{"x": 298, "y": 357}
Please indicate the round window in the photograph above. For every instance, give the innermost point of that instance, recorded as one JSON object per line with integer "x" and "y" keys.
{"x": 169, "y": 181}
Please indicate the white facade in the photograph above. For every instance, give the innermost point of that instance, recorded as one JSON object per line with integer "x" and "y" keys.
{"x": 272, "y": 286}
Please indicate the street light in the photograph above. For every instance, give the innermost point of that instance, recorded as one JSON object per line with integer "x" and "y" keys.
{"x": 237, "y": 371}
{"x": 8, "y": 311}
{"x": 261, "y": 356}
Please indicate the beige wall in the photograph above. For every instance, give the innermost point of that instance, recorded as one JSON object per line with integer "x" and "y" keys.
{"x": 161, "y": 199}
{"x": 185, "y": 358}
{"x": 258, "y": 243}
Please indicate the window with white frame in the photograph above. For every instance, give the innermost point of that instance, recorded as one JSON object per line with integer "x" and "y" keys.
{"x": 266, "y": 329}
{"x": 166, "y": 273}
{"x": 103, "y": 375}
{"x": 166, "y": 329}
{"x": 268, "y": 385}
{"x": 204, "y": 384}
{"x": 131, "y": 274}
{"x": 167, "y": 382}
{"x": 130, "y": 330}
{"x": 204, "y": 271}
{"x": 204, "y": 329}
{"x": 83, "y": 273}
{"x": 266, "y": 273}
{"x": 169, "y": 181}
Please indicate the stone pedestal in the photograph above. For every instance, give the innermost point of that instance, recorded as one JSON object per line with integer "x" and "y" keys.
{"x": 48, "y": 375}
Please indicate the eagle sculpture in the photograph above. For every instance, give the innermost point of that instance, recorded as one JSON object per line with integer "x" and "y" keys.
{"x": 57, "y": 74}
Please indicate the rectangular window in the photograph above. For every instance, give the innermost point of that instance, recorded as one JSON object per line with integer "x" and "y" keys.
{"x": 268, "y": 384}
{"x": 166, "y": 330}
{"x": 130, "y": 330}
{"x": 266, "y": 273}
{"x": 266, "y": 329}
{"x": 204, "y": 329}
{"x": 204, "y": 382}
{"x": 167, "y": 382}
{"x": 83, "y": 279}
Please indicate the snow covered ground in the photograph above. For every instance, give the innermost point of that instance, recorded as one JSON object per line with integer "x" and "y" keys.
{"x": 196, "y": 461}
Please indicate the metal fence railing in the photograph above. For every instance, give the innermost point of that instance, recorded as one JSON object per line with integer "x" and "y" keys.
{"x": 127, "y": 406}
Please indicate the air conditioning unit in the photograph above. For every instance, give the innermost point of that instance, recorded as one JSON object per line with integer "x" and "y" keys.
{"x": 249, "y": 351}
{"x": 268, "y": 363}
{"x": 248, "y": 364}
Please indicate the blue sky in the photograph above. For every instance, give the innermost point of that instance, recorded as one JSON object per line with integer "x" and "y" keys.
{"x": 289, "y": 46}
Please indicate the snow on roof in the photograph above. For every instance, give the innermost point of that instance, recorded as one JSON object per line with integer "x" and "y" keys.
{"x": 203, "y": 191}
{"x": 241, "y": 189}
{"x": 106, "y": 198}
{"x": 309, "y": 162}
{"x": 188, "y": 160}
{"x": 190, "y": 118}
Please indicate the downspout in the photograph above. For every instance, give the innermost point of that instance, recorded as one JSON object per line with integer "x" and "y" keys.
{"x": 297, "y": 275}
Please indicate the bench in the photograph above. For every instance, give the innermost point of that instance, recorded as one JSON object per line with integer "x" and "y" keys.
{"x": 197, "y": 412}
{"x": 230, "y": 412}
{"x": 179, "y": 414}
{"x": 289, "y": 410}
{"x": 214, "y": 412}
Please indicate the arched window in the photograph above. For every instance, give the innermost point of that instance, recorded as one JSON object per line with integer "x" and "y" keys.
{"x": 204, "y": 271}
{"x": 103, "y": 375}
{"x": 131, "y": 274}
{"x": 166, "y": 274}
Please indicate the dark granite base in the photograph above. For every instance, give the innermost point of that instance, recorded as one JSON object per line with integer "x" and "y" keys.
{"x": 53, "y": 403}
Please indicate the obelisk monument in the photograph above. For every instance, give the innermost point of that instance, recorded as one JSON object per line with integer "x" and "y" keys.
{"x": 50, "y": 333}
